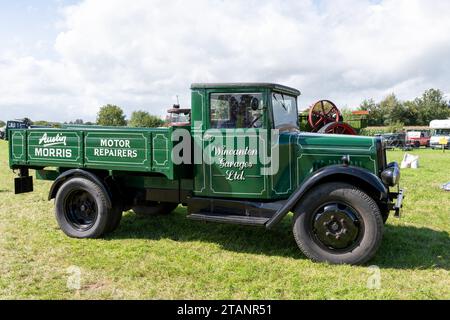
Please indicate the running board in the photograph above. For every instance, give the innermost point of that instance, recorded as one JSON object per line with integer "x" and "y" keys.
{"x": 242, "y": 220}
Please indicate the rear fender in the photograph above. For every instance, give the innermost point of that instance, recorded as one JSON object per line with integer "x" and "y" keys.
{"x": 82, "y": 174}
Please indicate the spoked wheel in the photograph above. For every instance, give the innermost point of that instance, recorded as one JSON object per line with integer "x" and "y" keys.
{"x": 322, "y": 113}
{"x": 338, "y": 128}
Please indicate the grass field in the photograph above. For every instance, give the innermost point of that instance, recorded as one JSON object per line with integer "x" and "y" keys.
{"x": 173, "y": 258}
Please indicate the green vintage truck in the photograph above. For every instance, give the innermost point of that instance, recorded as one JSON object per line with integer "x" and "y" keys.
{"x": 241, "y": 159}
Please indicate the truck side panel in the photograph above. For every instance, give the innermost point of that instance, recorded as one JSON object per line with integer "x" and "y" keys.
{"x": 162, "y": 146}
{"x": 17, "y": 147}
{"x": 146, "y": 150}
{"x": 128, "y": 151}
{"x": 50, "y": 149}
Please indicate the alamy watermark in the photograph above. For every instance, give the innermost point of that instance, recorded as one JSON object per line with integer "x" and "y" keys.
{"x": 73, "y": 278}
{"x": 374, "y": 280}
{"x": 231, "y": 150}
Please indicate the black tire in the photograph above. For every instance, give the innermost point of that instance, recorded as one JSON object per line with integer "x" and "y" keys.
{"x": 117, "y": 207}
{"x": 153, "y": 208}
{"x": 385, "y": 216}
{"x": 355, "y": 220}
{"x": 81, "y": 209}
{"x": 115, "y": 218}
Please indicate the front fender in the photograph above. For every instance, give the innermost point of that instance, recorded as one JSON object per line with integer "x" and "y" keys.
{"x": 326, "y": 174}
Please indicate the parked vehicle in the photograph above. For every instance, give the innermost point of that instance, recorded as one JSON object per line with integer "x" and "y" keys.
{"x": 440, "y": 131}
{"x": 16, "y": 124}
{"x": 2, "y": 133}
{"x": 394, "y": 140}
{"x": 418, "y": 139}
{"x": 339, "y": 187}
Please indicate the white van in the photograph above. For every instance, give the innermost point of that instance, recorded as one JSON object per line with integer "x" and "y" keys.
{"x": 440, "y": 130}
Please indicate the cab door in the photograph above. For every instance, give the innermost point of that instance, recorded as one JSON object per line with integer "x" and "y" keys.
{"x": 234, "y": 145}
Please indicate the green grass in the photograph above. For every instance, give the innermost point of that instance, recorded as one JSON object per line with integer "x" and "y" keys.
{"x": 174, "y": 258}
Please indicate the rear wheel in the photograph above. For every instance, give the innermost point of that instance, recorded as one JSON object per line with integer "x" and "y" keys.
{"x": 154, "y": 208}
{"x": 385, "y": 216}
{"x": 81, "y": 209}
{"x": 116, "y": 217}
{"x": 338, "y": 223}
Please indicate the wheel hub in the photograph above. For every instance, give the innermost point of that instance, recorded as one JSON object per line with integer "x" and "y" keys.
{"x": 336, "y": 226}
{"x": 80, "y": 210}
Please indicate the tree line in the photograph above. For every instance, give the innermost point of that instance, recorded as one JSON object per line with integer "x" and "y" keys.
{"x": 420, "y": 111}
{"x": 109, "y": 115}
{"x": 388, "y": 112}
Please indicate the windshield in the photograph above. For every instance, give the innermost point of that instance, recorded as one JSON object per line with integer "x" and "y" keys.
{"x": 441, "y": 132}
{"x": 285, "y": 112}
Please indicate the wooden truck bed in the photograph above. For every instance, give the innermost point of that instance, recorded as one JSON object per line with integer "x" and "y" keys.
{"x": 118, "y": 149}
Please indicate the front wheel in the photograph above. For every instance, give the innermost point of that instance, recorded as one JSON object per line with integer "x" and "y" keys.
{"x": 339, "y": 224}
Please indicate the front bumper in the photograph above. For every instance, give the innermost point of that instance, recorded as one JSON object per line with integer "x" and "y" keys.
{"x": 440, "y": 146}
{"x": 396, "y": 205}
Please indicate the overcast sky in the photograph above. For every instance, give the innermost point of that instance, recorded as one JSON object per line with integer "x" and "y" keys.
{"x": 62, "y": 59}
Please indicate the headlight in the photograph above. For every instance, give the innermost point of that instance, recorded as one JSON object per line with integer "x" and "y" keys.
{"x": 391, "y": 175}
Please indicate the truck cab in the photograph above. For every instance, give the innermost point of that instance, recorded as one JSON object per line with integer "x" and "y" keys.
{"x": 232, "y": 124}
{"x": 242, "y": 119}
{"x": 241, "y": 159}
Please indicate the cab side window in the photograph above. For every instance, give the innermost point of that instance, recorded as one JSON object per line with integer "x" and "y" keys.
{"x": 234, "y": 111}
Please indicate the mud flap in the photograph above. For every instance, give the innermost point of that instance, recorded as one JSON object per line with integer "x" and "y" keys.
{"x": 23, "y": 185}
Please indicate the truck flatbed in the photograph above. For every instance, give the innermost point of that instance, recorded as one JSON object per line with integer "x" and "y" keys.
{"x": 123, "y": 149}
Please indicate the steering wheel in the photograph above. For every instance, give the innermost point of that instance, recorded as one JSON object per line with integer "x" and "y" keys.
{"x": 252, "y": 124}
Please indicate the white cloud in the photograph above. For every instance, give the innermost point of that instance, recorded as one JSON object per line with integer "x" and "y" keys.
{"x": 139, "y": 54}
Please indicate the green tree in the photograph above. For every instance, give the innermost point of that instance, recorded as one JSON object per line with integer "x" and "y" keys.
{"x": 392, "y": 110}
{"x": 410, "y": 113}
{"x": 77, "y": 122}
{"x": 144, "y": 119}
{"x": 346, "y": 113}
{"x": 396, "y": 127}
{"x": 28, "y": 121}
{"x": 375, "y": 117}
{"x": 2, "y": 124}
{"x": 430, "y": 106}
{"x": 42, "y": 123}
{"x": 111, "y": 115}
